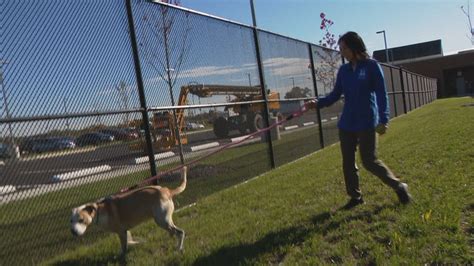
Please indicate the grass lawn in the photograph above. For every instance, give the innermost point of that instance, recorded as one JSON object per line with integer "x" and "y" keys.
{"x": 289, "y": 215}
{"x": 29, "y": 236}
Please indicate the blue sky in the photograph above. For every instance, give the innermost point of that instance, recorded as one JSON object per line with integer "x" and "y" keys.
{"x": 405, "y": 21}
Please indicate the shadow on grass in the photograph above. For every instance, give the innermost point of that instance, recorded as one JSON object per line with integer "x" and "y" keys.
{"x": 292, "y": 236}
{"x": 239, "y": 254}
{"x": 105, "y": 260}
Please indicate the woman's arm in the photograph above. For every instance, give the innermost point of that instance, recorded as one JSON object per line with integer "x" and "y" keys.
{"x": 334, "y": 95}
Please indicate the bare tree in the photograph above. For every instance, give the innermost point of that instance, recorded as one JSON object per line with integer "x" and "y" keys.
{"x": 163, "y": 51}
{"x": 467, "y": 12}
{"x": 162, "y": 32}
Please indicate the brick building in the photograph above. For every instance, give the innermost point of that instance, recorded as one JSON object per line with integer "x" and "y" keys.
{"x": 454, "y": 72}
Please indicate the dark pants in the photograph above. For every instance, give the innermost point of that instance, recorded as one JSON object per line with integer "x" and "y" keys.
{"x": 367, "y": 148}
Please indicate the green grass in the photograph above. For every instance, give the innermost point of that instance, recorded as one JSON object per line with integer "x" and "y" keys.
{"x": 29, "y": 235}
{"x": 289, "y": 215}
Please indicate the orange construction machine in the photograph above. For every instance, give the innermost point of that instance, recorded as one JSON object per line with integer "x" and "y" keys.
{"x": 242, "y": 117}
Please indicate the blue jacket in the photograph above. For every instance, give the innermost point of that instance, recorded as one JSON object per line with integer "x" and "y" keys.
{"x": 365, "y": 96}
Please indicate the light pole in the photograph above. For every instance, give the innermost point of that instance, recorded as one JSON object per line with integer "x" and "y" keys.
{"x": 250, "y": 82}
{"x": 385, "y": 41}
{"x": 5, "y": 102}
{"x": 66, "y": 113}
{"x": 293, "y": 79}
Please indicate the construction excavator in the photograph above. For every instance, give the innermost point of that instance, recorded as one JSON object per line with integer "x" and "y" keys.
{"x": 242, "y": 117}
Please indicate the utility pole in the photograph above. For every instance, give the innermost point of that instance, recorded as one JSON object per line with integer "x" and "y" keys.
{"x": 66, "y": 112}
{"x": 293, "y": 79}
{"x": 5, "y": 102}
{"x": 386, "y": 49}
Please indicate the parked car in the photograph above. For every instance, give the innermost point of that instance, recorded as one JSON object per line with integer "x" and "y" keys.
{"x": 94, "y": 138}
{"x": 4, "y": 151}
{"x": 52, "y": 144}
{"x": 121, "y": 133}
{"x": 27, "y": 144}
{"x": 193, "y": 126}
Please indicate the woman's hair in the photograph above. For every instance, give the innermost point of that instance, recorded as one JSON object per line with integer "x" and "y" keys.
{"x": 355, "y": 43}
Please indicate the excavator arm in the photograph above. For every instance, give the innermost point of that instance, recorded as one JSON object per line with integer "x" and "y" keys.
{"x": 209, "y": 90}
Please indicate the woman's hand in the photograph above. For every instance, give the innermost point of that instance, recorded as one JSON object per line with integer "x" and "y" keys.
{"x": 381, "y": 129}
{"x": 312, "y": 104}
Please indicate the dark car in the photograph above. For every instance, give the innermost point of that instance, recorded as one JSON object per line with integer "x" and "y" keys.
{"x": 5, "y": 151}
{"x": 52, "y": 144}
{"x": 27, "y": 144}
{"x": 121, "y": 133}
{"x": 94, "y": 138}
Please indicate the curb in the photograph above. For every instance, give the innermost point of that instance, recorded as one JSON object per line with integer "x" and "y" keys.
{"x": 239, "y": 138}
{"x": 7, "y": 189}
{"x": 291, "y": 127}
{"x": 80, "y": 173}
{"x": 158, "y": 156}
{"x": 205, "y": 146}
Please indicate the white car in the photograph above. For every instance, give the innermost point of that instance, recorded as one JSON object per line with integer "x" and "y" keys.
{"x": 193, "y": 126}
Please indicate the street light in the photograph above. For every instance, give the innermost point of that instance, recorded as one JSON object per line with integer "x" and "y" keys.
{"x": 250, "y": 82}
{"x": 5, "y": 102}
{"x": 293, "y": 79}
{"x": 385, "y": 41}
{"x": 66, "y": 112}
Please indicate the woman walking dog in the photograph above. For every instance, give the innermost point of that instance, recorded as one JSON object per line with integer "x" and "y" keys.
{"x": 365, "y": 112}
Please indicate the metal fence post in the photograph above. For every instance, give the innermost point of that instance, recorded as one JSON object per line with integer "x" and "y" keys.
{"x": 423, "y": 95}
{"x": 394, "y": 98}
{"x": 262, "y": 85}
{"x": 141, "y": 91}
{"x": 418, "y": 90}
{"x": 403, "y": 91}
{"x": 315, "y": 85}
{"x": 413, "y": 91}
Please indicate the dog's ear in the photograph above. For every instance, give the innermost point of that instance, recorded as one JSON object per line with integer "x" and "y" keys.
{"x": 91, "y": 208}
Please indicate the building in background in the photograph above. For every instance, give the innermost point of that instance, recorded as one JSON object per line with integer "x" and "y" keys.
{"x": 454, "y": 72}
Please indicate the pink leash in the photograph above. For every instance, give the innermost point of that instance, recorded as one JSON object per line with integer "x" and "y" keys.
{"x": 148, "y": 181}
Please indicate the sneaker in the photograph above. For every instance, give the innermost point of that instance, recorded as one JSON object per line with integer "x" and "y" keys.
{"x": 352, "y": 203}
{"x": 402, "y": 193}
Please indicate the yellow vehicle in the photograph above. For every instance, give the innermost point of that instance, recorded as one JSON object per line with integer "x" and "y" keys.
{"x": 246, "y": 117}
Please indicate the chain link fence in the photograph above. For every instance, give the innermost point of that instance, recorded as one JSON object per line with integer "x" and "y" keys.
{"x": 99, "y": 95}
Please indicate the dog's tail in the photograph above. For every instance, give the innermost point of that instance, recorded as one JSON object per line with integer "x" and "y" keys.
{"x": 182, "y": 187}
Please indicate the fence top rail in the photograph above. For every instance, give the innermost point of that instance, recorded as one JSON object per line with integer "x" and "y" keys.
{"x": 416, "y": 74}
{"x": 192, "y": 11}
{"x": 404, "y": 70}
